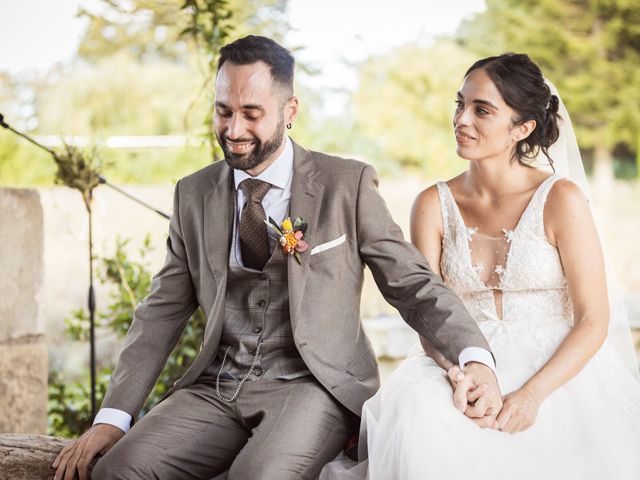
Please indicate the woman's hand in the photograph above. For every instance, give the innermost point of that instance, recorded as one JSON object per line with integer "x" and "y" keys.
{"x": 519, "y": 411}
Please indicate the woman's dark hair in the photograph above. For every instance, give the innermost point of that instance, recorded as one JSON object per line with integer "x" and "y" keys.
{"x": 523, "y": 88}
{"x": 254, "y": 48}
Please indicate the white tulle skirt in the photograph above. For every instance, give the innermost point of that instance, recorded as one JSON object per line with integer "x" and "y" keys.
{"x": 587, "y": 429}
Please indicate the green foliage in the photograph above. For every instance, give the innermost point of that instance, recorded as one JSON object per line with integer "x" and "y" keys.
{"x": 69, "y": 403}
{"x": 145, "y": 29}
{"x": 163, "y": 53}
{"x": 78, "y": 170}
{"x": 173, "y": 30}
{"x": 210, "y": 28}
{"x": 142, "y": 99}
{"x": 166, "y": 165}
{"x": 210, "y": 25}
{"x": 22, "y": 164}
{"x": 405, "y": 104}
{"x": 592, "y": 58}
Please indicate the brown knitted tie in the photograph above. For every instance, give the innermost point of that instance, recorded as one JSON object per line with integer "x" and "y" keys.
{"x": 254, "y": 243}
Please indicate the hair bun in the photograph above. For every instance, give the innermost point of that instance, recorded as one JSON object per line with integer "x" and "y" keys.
{"x": 554, "y": 103}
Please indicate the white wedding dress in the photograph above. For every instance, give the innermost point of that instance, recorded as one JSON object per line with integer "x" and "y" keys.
{"x": 587, "y": 429}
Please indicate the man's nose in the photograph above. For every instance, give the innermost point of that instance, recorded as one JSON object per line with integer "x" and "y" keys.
{"x": 236, "y": 127}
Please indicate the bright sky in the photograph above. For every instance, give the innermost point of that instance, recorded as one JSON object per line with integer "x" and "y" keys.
{"x": 351, "y": 30}
{"x": 330, "y": 30}
{"x": 36, "y": 41}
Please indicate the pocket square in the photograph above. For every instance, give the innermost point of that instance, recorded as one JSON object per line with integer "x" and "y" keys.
{"x": 326, "y": 246}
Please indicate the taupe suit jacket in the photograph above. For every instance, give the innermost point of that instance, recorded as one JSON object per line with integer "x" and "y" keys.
{"x": 336, "y": 197}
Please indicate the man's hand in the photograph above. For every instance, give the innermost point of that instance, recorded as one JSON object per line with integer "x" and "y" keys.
{"x": 79, "y": 454}
{"x": 476, "y": 393}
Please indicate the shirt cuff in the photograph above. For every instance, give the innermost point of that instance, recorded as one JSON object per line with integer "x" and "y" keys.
{"x": 115, "y": 417}
{"x": 476, "y": 354}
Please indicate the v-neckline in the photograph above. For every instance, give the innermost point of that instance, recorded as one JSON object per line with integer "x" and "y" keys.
{"x": 508, "y": 234}
{"x": 520, "y": 219}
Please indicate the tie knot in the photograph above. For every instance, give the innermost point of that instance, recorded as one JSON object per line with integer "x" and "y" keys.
{"x": 254, "y": 189}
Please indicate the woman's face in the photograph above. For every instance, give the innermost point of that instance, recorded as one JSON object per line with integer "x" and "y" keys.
{"x": 483, "y": 122}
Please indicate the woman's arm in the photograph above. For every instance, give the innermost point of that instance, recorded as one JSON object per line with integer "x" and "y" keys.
{"x": 426, "y": 234}
{"x": 568, "y": 225}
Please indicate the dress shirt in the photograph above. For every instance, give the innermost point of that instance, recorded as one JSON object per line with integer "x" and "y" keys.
{"x": 276, "y": 201}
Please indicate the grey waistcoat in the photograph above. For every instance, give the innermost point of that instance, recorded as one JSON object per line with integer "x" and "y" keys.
{"x": 257, "y": 308}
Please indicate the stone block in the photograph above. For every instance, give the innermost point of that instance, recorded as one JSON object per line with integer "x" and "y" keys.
{"x": 21, "y": 264}
{"x": 23, "y": 387}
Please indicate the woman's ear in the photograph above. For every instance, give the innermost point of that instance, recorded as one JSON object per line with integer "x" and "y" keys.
{"x": 524, "y": 129}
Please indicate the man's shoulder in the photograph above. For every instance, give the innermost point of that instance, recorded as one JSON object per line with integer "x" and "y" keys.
{"x": 204, "y": 177}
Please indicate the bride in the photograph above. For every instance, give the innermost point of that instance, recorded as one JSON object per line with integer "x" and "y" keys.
{"x": 518, "y": 244}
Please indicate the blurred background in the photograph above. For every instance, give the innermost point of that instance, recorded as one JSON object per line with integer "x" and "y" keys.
{"x": 131, "y": 82}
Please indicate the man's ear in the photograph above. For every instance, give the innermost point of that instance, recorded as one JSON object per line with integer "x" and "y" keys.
{"x": 291, "y": 109}
{"x": 524, "y": 129}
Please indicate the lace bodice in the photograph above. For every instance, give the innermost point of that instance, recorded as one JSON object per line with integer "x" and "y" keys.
{"x": 523, "y": 266}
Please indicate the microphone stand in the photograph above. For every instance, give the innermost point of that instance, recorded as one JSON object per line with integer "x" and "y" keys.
{"x": 91, "y": 302}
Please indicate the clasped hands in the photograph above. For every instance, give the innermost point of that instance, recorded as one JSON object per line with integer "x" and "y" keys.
{"x": 477, "y": 395}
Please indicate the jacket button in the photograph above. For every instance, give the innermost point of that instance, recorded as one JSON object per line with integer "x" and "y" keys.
{"x": 258, "y": 373}
{"x": 262, "y": 303}
{"x": 262, "y": 276}
{"x": 257, "y": 330}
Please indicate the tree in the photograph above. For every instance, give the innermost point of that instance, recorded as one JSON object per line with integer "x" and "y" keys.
{"x": 404, "y": 106}
{"x": 592, "y": 58}
{"x": 148, "y": 29}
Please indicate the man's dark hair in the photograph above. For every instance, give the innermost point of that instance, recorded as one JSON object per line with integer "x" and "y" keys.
{"x": 254, "y": 48}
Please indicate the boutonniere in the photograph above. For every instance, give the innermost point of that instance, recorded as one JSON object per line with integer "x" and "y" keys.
{"x": 290, "y": 235}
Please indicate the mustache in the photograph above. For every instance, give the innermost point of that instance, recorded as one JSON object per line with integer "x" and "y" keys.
{"x": 238, "y": 140}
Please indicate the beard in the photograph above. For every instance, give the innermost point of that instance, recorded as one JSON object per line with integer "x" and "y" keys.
{"x": 261, "y": 151}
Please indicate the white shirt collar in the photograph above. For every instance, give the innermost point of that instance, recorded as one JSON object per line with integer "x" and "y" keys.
{"x": 277, "y": 174}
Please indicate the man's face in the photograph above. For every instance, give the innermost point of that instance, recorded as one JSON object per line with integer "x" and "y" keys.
{"x": 250, "y": 115}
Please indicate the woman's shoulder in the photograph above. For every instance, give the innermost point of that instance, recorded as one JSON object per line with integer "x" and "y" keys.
{"x": 430, "y": 196}
{"x": 426, "y": 210}
{"x": 565, "y": 208}
{"x": 428, "y": 200}
{"x": 565, "y": 195}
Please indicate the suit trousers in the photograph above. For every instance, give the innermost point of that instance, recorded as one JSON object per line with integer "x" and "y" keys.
{"x": 275, "y": 429}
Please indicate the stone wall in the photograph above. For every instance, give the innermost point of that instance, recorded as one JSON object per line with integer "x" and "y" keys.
{"x": 23, "y": 352}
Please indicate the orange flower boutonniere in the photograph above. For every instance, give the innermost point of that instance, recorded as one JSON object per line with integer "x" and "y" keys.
{"x": 290, "y": 235}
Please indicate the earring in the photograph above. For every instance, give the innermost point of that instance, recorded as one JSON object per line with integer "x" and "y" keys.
{"x": 288, "y": 126}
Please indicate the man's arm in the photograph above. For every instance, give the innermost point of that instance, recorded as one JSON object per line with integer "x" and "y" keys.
{"x": 426, "y": 304}
{"x": 406, "y": 280}
{"x": 158, "y": 323}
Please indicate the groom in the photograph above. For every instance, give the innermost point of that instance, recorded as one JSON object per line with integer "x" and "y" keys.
{"x": 284, "y": 366}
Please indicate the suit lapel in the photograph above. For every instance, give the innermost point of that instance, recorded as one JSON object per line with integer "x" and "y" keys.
{"x": 218, "y": 211}
{"x": 306, "y": 198}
